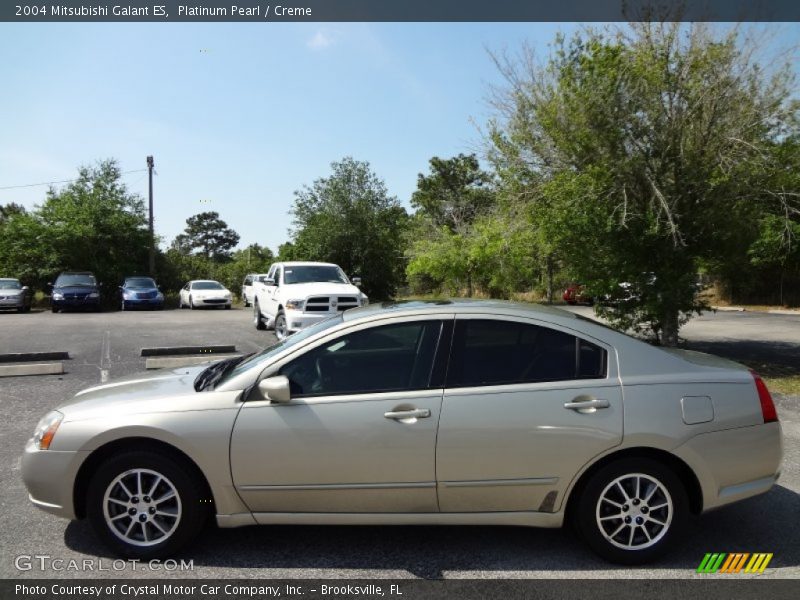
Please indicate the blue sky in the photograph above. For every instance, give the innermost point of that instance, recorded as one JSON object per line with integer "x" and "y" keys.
{"x": 238, "y": 116}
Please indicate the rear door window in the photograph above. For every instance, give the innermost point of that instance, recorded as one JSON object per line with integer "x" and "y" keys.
{"x": 497, "y": 352}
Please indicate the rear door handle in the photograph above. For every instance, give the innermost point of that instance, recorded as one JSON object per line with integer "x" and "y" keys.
{"x": 416, "y": 413}
{"x": 587, "y": 405}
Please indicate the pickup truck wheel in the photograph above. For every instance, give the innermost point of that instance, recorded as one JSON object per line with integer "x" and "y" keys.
{"x": 257, "y": 318}
{"x": 281, "y": 330}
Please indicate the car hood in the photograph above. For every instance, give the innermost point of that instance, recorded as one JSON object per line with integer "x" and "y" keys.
{"x": 209, "y": 292}
{"x": 75, "y": 288}
{"x": 304, "y": 290}
{"x": 162, "y": 390}
{"x": 140, "y": 290}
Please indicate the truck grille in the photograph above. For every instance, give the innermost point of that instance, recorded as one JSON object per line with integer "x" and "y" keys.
{"x": 330, "y": 304}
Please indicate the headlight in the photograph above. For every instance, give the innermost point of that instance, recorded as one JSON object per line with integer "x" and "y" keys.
{"x": 94, "y": 295}
{"x": 58, "y": 296}
{"x": 364, "y": 300}
{"x": 126, "y": 295}
{"x": 46, "y": 429}
{"x": 160, "y": 296}
{"x": 294, "y": 304}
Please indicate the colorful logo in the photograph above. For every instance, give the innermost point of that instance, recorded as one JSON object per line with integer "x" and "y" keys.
{"x": 721, "y": 562}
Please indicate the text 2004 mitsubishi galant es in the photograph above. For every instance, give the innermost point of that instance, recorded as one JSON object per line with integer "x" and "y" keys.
{"x": 418, "y": 413}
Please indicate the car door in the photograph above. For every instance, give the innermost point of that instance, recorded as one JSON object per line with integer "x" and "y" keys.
{"x": 526, "y": 405}
{"x": 359, "y": 432}
{"x": 271, "y": 291}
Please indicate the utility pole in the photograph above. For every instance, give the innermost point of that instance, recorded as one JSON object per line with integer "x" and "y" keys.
{"x": 152, "y": 232}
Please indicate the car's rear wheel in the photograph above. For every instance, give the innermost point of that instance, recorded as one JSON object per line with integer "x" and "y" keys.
{"x": 281, "y": 329}
{"x": 258, "y": 319}
{"x": 631, "y": 510}
{"x": 145, "y": 505}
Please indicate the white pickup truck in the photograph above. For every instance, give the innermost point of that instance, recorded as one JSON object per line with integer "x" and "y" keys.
{"x": 297, "y": 294}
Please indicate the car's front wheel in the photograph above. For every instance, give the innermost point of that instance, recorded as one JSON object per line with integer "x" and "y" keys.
{"x": 145, "y": 505}
{"x": 631, "y": 510}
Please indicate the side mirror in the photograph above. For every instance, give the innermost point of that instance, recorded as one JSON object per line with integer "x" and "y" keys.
{"x": 269, "y": 281}
{"x": 25, "y": 288}
{"x": 49, "y": 284}
{"x": 275, "y": 388}
{"x": 356, "y": 281}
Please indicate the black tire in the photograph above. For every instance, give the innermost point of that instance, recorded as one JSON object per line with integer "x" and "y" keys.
{"x": 54, "y": 309}
{"x": 193, "y": 504}
{"x": 650, "y": 540}
{"x": 281, "y": 327}
{"x": 227, "y": 307}
{"x": 258, "y": 318}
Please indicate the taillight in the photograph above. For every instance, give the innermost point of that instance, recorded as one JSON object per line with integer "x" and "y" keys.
{"x": 767, "y": 405}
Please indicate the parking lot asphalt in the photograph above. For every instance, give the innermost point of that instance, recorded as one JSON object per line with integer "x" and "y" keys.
{"x": 111, "y": 342}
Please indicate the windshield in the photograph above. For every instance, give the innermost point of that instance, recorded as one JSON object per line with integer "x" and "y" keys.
{"x": 10, "y": 284}
{"x": 207, "y": 285}
{"x": 313, "y": 274}
{"x": 77, "y": 279}
{"x": 140, "y": 282}
{"x": 260, "y": 360}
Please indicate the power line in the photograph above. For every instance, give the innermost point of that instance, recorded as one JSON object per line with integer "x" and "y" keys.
{"x": 27, "y": 185}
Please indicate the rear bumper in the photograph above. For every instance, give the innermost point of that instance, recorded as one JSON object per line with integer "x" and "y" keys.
{"x": 734, "y": 464}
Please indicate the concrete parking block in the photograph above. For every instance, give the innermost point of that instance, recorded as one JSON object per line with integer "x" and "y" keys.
{"x": 172, "y": 362}
{"x": 54, "y": 368}
{"x": 178, "y": 350}
{"x": 15, "y": 357}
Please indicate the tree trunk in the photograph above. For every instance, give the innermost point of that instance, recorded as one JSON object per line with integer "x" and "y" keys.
{"x": 669, "y": 333}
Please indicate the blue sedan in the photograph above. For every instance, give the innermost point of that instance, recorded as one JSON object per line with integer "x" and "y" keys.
{"x": 140, "y": 292}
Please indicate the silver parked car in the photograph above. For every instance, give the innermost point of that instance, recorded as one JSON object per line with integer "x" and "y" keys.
{"x": 14, "y": 295}
{"x": 481, "y": 412}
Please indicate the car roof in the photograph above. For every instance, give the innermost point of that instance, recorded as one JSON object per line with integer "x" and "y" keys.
{"x": 76, "y": 273}
{"x": 301, "y": 263}
{"x": 463, "y": 305}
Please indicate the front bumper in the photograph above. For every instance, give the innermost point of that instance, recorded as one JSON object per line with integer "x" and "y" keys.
{"x": 76, "y": 303}
{"x": 144, "y": 303}
{"x": 734, "y": 464}
{"x": 49, "y": 476}
{"x": 211, "y": 301}
{"x": 12, "y": 302}
{"x": 297, "y": 319}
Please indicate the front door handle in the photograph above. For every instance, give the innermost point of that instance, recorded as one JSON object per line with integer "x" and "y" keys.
{"x": 415, "y": 413}
{"x": 584, "y": 405}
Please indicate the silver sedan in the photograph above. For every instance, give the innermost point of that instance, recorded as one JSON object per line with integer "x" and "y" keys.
{"x": 14, "y": 295}
{"x": 449, "y": 412}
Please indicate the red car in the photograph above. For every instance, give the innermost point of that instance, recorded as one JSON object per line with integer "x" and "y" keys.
{"x": 574, "y": 294}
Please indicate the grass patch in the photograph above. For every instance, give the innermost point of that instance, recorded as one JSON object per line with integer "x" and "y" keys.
{"x": 789, "y": 384}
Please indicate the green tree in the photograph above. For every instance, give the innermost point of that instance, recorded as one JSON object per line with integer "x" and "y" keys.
{"x": 454, "y": 193}
{"x": 206, "y": 235}
{"x": 642, "y": 155}
{"x": 349, "y": 219}
{"x": 93, "y": 223}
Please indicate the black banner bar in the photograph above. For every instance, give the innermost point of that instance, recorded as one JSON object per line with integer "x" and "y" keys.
{"x": 730, "y": 587}
{"x": 399, "y": 10}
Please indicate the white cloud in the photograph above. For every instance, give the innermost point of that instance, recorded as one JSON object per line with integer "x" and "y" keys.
{"x": 320, "y": 40}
